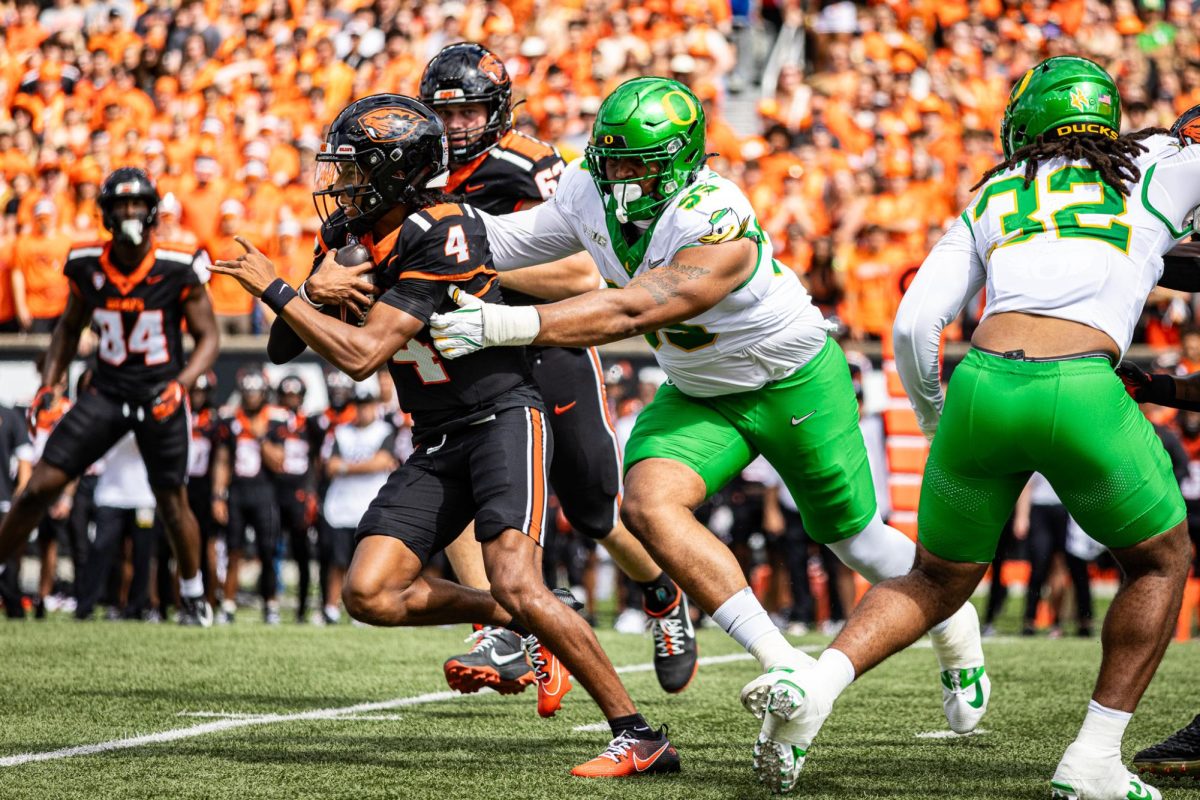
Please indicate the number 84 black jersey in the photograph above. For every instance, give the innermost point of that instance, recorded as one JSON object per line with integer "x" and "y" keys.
{"x": 138, "y": 314}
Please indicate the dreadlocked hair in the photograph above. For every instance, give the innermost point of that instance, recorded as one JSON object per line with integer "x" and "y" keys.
{"x": 1114, "y": 159}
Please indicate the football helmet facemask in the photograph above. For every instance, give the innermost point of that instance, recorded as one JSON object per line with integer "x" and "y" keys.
{"x": 470, "y": 73}
{"x": 381, "y": 151}
{"x": 123, "y": 184}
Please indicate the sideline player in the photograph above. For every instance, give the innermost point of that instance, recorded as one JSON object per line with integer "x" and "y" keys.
{"x": 483, "y": 446}
{"x": 752, "y": 370}
{"x": 1068, "y": 234}
{"x": 499, "y": 170}
{"x": 138, "y": 292}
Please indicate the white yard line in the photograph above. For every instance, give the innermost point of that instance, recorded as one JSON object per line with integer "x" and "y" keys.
{"x": 234, "y": 720}
{"x": 950, "y": 734}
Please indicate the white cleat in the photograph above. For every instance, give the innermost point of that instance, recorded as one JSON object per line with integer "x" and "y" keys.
{"x": 1081, "y": 776}
{"x": 756, "y": 692}
{"x": 793, "y": 718}
{"x": 965, "y": 694}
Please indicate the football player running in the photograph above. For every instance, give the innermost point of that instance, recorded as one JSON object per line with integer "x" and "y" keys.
{"x": 499, "y": 170}
{"x": 482, "y": 443}
{"x": 752, "y": 370}
{"x": 1179, "y": 754}
{"x": 138, "y": 292}
{"x": 1068, "y": 234}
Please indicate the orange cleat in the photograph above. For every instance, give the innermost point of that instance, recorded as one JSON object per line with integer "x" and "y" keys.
{"x": 553, "y": 679}
{"x": 627, "y": 756}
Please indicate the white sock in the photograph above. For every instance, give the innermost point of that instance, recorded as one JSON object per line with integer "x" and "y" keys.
{"x": 956, "y": 641}
{"x": 191, "y": 587}
{"x": 877, "y": 552}
{"x": 1103, "y": 728}
{"x": 833, "y": 672}
{"x": 744, "y": 618}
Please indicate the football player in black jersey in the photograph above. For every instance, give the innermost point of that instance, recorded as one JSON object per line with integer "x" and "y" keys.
{"x": 137, "y": 292}
{"x": 482, "y": 443}
{"x": 499, "y": 170}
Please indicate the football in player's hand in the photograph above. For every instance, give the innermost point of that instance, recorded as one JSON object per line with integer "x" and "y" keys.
{"x": 359, "y": 294}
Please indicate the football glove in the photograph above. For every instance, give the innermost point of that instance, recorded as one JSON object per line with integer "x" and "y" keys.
{"x": 476, "y": 325}
{"x": 42, "y": 401}
{"x": 1145, "y": 387}
{"x": 168, "y": 401}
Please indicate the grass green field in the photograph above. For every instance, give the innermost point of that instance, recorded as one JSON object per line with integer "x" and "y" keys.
{"x": 346, "y": 712}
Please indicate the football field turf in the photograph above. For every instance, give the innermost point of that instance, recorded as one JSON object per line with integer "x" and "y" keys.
{"x": 251, "y": 712}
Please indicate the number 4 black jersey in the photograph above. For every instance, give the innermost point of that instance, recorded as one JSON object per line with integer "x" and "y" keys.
{"x": 139, "y": 314}
{"x": 415, "y": 264}
{"x": 519, "y": 172}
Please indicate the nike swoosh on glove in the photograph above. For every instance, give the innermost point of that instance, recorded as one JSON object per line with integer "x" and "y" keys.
{"x": 476, "y": 325}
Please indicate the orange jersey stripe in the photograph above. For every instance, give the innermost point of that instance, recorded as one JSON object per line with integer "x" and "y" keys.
{"x": 532, "y": 149}
{"x": 443, "y": 210}
{"x": 437, "y": 276}
{"x": 538, "y": 511}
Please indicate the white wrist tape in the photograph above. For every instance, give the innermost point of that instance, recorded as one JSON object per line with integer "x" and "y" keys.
{"x": 510, "y": 325}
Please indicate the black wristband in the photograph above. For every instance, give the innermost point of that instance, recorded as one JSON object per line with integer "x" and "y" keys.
{"x": 278, "y": 295}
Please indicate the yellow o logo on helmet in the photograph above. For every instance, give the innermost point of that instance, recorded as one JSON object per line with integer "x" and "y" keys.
{"x": 608, "y": 139}
{"x": 669, "y": 109}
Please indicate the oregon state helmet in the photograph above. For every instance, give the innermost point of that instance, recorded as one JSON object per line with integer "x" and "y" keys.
{"x": 381, "y": 151}
{"x": 470, "y": 73}
{"x": 1187, "y": 127}
{"x": 122, "y": 184}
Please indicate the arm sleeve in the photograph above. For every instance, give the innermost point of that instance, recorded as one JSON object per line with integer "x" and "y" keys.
{"x": 536, "y": 236}
{"x": 1173, "y": 191}
{"x": 949, "y": 278}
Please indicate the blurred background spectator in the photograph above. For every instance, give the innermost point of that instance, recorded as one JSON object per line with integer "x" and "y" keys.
{"x": 856, "y": 128}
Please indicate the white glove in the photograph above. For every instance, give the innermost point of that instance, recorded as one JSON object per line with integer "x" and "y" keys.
{"x": 476, "y": 325}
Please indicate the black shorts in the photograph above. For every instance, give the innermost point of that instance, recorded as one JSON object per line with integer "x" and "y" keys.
{"x": 586, "y": 470}
{"x": 252, "y": 505}
{"x": 494, "y": 472}
{"x": 336, "y": 546}
{"x": 97, "y": 421}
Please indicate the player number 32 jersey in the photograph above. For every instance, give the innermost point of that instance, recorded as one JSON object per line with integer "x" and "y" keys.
{"x": 1070, "y": 246}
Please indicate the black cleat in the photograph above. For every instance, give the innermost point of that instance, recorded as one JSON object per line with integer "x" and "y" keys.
{"x": 675, "y": 649}
{"x": 1176, "y": 757}
{"x": 195, "y": 611}
{"x": 496, "y": 660}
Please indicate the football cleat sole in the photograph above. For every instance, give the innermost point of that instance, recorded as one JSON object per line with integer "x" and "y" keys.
{"x": 469, "y": 679}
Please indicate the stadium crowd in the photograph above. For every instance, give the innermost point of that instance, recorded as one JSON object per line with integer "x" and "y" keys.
{"x": 856, "y": 129}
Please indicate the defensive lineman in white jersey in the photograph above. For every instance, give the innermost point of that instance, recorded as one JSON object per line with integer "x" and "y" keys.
{"x": 751, "y": 371}
{"x": 1069, "y": 235}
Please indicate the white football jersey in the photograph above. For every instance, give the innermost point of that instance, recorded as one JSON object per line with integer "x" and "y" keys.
{"x": 759, "y": 333}
{"x": 1071, "y": 247}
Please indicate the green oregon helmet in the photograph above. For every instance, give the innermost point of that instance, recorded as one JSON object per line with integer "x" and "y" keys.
{"x": 659, "y": 121}
{"x": 1061, "y": 96}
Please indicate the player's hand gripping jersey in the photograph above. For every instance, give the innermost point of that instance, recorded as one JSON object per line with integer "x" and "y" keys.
{"x": 1066, "y": 246}
{"x": 435, "y": 247}
{"x": 759, "y": 333}
{"x": 139, "y": 316}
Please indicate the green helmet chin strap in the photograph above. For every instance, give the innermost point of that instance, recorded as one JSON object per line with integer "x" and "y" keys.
{"x": 1061, "y": 96}
{"x": 658, "y": 122}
